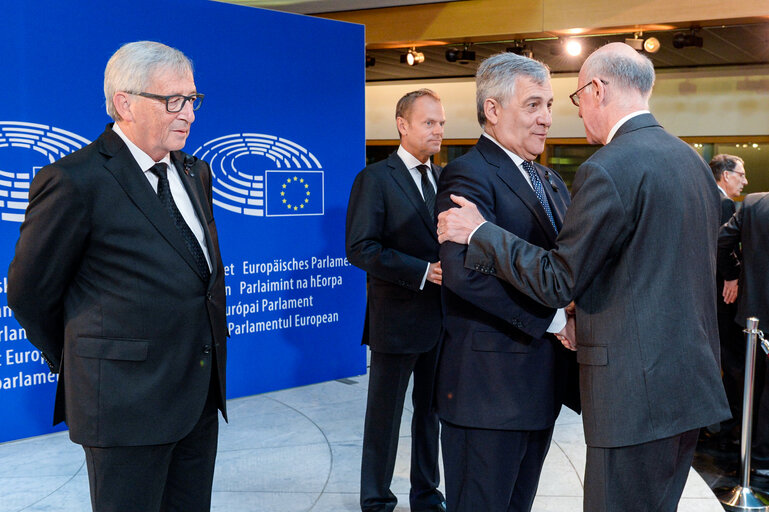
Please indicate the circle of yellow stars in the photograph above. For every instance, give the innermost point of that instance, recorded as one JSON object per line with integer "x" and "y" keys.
{"x": 295, "y": 207}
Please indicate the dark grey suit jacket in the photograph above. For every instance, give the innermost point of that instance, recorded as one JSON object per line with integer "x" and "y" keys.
{"x": 637, "y": 255}
{"x": 106, "y": 288}
{"x": 749, "y": 226}
{"x": 391, "y": 236}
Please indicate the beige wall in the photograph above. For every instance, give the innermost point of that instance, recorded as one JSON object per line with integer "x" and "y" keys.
{"x": 702, "y": 103}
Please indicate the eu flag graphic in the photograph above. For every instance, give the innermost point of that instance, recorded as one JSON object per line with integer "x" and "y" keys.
{"x": 294, "y": 193}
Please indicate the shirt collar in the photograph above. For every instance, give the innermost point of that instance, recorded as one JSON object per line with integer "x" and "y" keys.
{"x": 143, "y": 159}
{"x": 410, "y": 160}
{"x": 723, "y": 192}
{"x": 623, "y": 121}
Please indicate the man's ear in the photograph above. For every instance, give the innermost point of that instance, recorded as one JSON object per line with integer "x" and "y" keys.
{"x": 491, "y": 109}
{"x": 122, "y": 103}
{"x": 402, "y": 125}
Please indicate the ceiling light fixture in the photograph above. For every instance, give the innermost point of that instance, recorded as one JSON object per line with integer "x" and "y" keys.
{"x": 652, "y": 45}
{"x": 413, "y": 57}
{"x": 683, "y": 39}
{"x": 635, "y": 42}
{"x": 520, "y": 48}
{"x": 573, "y": 47}
{"x": 463, "y": 56}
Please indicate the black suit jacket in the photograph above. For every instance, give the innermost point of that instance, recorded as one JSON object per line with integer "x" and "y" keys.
{"x": 107, "y": 290}
{"x": 730, "y": 261}
{"x": 391, "y": 236}
{"x": 637, "y": 255}
{"x": 750, "y": 227}
{"x": 498, "y": 368}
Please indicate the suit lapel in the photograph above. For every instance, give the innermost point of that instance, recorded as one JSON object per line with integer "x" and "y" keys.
{"x": 512, "y": 177}
{"x": 194, "y": 188}
{"x": 121, "y": 164}
{"x": 403, "y": 178}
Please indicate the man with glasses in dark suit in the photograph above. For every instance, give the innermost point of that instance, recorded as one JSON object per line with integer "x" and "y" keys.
{"x": 118, "y": 280}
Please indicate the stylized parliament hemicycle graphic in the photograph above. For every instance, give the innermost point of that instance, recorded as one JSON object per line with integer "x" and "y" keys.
{"x": 264, "y": 175}
{"x": 24, "y": 149}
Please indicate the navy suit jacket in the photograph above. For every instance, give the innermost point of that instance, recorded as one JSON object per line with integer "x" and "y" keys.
{"x": 391, "y": 235}
{"x": 497, "y": 367}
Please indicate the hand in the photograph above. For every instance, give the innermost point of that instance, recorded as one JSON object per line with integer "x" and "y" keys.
{"x": 571, "y": 309}
{"x": 567, "y": 336}
{"x": 456, "y": 224}
{"x": 435, "y": 273}
{"x": 730, "y": 291}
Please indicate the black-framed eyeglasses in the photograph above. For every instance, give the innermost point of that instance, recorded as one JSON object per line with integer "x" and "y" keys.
{"x": 175, "y": 102}
{"x": 736, "y": 172}
{"x": 574, "y": 97}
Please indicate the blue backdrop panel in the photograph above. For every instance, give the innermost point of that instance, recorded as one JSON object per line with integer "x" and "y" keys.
{"x": 282, "y": 125}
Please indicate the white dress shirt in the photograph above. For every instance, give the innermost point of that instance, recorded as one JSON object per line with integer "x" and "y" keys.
{"x": 178, "y": 192}
{"x": 411, "y": 162}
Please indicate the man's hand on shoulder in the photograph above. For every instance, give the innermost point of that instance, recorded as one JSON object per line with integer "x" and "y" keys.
{"x": 457, "y": 224}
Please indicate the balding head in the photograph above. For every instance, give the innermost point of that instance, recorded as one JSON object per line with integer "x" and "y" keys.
{"x": 618, "y": 63}
{"x": 617, "y": 81}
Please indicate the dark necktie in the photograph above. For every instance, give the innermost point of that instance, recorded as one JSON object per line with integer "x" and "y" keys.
{"x": 164, "y": 194}
{"x": 427, "y": 188}
{"x": 536, "y": 184}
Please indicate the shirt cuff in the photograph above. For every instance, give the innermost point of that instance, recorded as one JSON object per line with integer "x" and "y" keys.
{"x": 473, "y": 232}
{"x": 559, "y": 321}
{"x": 424, "y": 277}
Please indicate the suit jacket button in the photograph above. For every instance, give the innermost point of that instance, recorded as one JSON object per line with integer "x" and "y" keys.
{"x": 206, "y": 349}
{"x": 209, "y": 298}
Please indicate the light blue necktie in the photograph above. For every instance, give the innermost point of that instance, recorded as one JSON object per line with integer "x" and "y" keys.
{"x": 536, "y": 184}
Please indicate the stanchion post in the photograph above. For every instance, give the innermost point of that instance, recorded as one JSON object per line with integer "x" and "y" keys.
{"x": 742, "y": 497}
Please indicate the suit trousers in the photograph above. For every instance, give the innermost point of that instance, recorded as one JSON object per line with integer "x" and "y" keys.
{"x": 492, "y": 470}
{"x": 174, "y": 477}
{"x": 647, "y": 477}
{"x": 388, "y": 381}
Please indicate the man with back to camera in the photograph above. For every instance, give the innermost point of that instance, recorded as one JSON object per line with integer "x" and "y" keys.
{"x": 501, "y": 379}
{"x": 118, "y": 280}
{"x": 729, "y": 173}
{"x": 391, "y": 235}
{"x": 634, "y": 254}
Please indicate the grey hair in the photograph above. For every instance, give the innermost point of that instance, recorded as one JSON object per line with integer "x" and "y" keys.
{"x": 133, "y": 66}
{"x": 627, "y": 71}
{"x": 496, "y": 77}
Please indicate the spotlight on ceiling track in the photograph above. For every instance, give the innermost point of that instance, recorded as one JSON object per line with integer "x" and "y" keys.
{"x": 683, "y": 39}
{"x": 638, "y": 43}
{"x": 635, "y": 42}
{"x": 652, "y": 45}
{"x": 413, "y": 57}
{"x": 462, "y": 56}
{"x": 370, "y": 61}
{"x": 573, "y": 47}
{"x": 520, "y": 48}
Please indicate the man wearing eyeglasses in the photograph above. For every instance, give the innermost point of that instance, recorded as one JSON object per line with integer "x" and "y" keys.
{"x": 729, "y": 173}
{"x": 637, "y": 254}
{"x": 118, "y": 280}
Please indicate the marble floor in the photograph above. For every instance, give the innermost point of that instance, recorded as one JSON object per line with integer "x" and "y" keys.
{"x": 290, "y": 451}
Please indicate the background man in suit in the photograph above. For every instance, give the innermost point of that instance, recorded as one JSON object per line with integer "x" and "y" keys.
{"x": 118, "y": 280}
{"x": 500, "y": 377}
{"x": 729, "y": 173}
{"x": 634, "y": 255}
{"x": 749, "y": 226}
{"x": 391, "y": 235}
